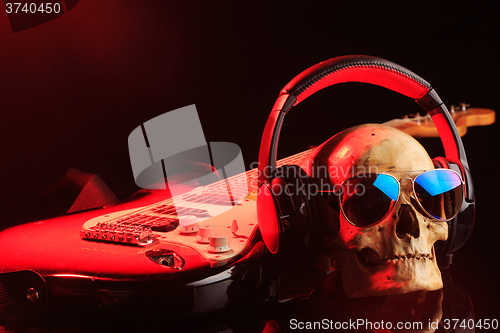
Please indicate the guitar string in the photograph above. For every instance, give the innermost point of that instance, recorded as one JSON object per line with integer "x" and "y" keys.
{"x": 251, "y": 177}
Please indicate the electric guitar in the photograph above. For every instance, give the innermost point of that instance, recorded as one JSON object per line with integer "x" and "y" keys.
{"x": 139, "y": 246}
{"x": 422, "y": 126}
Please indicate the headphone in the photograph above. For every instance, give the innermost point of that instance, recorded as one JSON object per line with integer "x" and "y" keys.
{"x": 286, "y": 217}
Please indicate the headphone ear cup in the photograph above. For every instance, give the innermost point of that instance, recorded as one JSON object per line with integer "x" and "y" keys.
{"x": 459, "y": 228}
{"x": 443, "y": 248}
{"x": 284, "y": 213}
{"x": 440, "y": 162}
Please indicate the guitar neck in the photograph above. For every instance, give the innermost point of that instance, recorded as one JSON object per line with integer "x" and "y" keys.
{"x": 250, "y": 177}
{"x": 423, "y": 127}
{"x": 223, "y": 192}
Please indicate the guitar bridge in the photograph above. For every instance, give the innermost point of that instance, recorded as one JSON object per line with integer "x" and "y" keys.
{"x": 119, "y": 233}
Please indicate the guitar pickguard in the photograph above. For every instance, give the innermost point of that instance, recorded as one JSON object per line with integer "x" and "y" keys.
{"x": 141, "y": 228}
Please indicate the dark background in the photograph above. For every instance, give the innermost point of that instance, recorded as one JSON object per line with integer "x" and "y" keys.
{"x": 73, "y": 89}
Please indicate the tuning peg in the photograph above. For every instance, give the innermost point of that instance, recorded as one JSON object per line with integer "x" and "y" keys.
{"x": 417, "y": 117}
{"x": 464, "y": 106}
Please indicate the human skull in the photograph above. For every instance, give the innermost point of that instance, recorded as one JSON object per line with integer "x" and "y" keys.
{"x": 396, "y": 255}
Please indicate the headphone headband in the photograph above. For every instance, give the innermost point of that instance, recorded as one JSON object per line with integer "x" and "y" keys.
{"x": 357, "y": 68}
{"x": 363, "y": 69}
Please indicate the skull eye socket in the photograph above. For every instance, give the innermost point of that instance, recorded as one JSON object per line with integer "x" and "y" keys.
{"x": 367, "y": 199}
{"x": 440, "y": 193}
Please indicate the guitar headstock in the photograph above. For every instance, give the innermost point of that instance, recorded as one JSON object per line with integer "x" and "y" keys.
{"x": 420, "y": 126}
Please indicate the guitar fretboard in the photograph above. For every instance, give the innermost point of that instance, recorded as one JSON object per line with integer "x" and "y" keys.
{"x": 238, "y": 186}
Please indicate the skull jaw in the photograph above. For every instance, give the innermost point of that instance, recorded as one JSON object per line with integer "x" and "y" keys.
{"x": 390, "y": 278}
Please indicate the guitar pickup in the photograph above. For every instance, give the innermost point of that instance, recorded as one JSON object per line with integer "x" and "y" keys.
{"x": 213, "y": 198}
{"x": 161, "y": 224}
{"x": 179, "y": 211}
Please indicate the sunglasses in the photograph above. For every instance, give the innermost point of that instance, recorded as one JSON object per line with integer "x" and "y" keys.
{"x": 367, "y": 199}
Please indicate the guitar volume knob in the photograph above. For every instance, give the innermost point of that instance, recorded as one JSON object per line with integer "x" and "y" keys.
{"x": 188, "y": 224}
{"x": 218, "y": 244}
{"x": 204, "y": 233}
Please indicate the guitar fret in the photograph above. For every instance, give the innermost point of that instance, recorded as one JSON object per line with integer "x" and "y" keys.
{"x": 234, "y": 183}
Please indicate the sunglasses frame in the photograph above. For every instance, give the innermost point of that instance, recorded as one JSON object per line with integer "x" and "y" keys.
{"x": 394, "y": 202}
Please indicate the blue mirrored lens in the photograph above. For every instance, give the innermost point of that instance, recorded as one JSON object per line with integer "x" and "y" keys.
{"x": 440, "y": 193}
{"x": 438, "y": 181}
{"x": 388, "y": 185}
{"x": 367, "y": 199}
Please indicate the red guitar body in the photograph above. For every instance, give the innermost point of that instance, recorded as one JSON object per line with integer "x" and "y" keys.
{"x": 72, "y": 255}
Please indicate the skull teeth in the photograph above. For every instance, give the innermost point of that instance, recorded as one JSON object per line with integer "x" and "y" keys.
{"x": 369, "y": 257}
{"x": 410, "y": 256}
